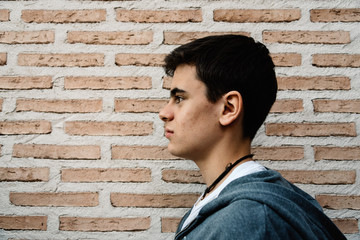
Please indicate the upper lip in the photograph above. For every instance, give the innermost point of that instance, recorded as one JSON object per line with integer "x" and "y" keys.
{"x": 168, "y": 130}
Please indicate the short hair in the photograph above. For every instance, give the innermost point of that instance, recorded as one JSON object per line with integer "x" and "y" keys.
{"x": 232, "y": 62}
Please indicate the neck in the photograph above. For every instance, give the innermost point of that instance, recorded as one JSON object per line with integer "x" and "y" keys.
{"x": 222, "y": 176}
{"x": 212, "y": 165}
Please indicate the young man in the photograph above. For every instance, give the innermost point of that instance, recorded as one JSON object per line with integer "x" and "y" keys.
{"x": 222, "y": 90}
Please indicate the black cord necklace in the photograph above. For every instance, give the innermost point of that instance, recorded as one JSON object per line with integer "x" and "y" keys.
{"x": 222, "y": 175}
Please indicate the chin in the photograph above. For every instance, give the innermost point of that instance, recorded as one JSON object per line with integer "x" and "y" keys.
{"x": 175, "y": 152}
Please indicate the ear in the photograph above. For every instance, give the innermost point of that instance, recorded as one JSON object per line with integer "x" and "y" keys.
{"x": 232, "y": 107}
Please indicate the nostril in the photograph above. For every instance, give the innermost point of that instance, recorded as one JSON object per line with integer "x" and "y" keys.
{"x": 166, "y": 114}
{"x": 162, "y": 116}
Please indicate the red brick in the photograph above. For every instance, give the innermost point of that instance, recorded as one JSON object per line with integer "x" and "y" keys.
{"x": 64, "y": 16}
{"x": 317, "y": 37}
{"x": 314, "y": 83}
{"x": 287, "y": 106}
{"x": 336, "y": 60}
{"x": 182, "y": 176}
{"x": 61, "y": 60}
{"x": 311, "y": 129}
{"x": 4, "y": 15}
{"x": 319, "y": 176}
{"x": 22, "y": 82}
{"x": 110, "y": 38}
{"x": 282, "y": 153}
{"x": 335, "y": 15}
{"x": 84, "y": 224}
{"x": 295, "y": 176}
{"x": 27, "y": 37}
{"x": 347, "y": 225}
{"x": 336, "y": 153}
{"x": 51, "y": 199}
{"x": 153, "y": 200}
{"x": 59, "y": 106}
{"x": 23, "y": 223}
{"x": 43, "y": 151}
{"x": 339, "y": 201}
{"x": 25, "y": 127}
{"x": 139, "y": 105}
{"x": 108, "y": 83}
{"x": 139, "y": 59}
{"x": 337, "y": 106}
{"x": 3, "y": 58}
{"x": 141, "y": 152}
{"x": 286, "y": 59}
{"x": 24, "y": 174}
{"x": 106, "y": 175}
{"x": 158, "y": 16}
{"x": 167, "y": 82}
{"x": 84, "y": 128}
{"x": 257, "y": 15}
{"x": 169, "y": 225}
{"x": 178, "y": 38}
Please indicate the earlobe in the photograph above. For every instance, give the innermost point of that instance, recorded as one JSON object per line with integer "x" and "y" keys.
{"x": 232, "y": 108}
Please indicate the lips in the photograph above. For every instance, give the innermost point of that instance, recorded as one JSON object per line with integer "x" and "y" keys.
{"x": 168, "y": 133}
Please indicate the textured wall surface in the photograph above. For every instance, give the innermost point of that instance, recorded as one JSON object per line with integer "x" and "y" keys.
{"x": 82, "y": 152}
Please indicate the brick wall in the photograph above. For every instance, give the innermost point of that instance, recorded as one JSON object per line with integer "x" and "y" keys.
{"x": 82, "y": 152}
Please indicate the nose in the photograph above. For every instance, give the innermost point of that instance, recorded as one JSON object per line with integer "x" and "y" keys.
{"x": 166, "y": 114}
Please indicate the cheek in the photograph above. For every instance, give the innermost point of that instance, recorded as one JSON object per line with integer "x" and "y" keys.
{"x": 201, "y": 119}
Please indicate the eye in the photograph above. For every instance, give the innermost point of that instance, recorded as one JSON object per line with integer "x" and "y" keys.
{"x": 178, "y": 99}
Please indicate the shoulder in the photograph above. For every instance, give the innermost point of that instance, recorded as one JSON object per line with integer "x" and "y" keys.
{"x": 242, "y": 219}
{"x": 247, "y": 213}
{"x": 246, "y": 219}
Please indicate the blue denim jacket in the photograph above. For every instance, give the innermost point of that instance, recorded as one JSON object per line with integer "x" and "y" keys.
{"x": 262, "y": 205}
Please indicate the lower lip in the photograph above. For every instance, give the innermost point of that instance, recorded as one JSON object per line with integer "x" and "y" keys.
{"x": 168, "y": 134}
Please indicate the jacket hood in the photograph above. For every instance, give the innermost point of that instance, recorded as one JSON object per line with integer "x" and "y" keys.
{"x": 300, "y": 211}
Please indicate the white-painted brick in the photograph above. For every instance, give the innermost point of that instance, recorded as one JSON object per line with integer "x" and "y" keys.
{"x": 156, "y": 185}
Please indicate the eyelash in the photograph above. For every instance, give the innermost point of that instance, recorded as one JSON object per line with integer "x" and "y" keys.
{"x": 178, "y": 99}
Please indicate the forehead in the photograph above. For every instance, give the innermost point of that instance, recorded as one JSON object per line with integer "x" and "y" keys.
{"x": 185, "y": 79}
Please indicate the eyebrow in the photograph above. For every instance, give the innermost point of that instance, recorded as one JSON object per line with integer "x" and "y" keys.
{"x": 175, "y": 91}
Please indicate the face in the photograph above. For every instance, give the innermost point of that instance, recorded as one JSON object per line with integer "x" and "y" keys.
{"x": 191, "y": 120}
